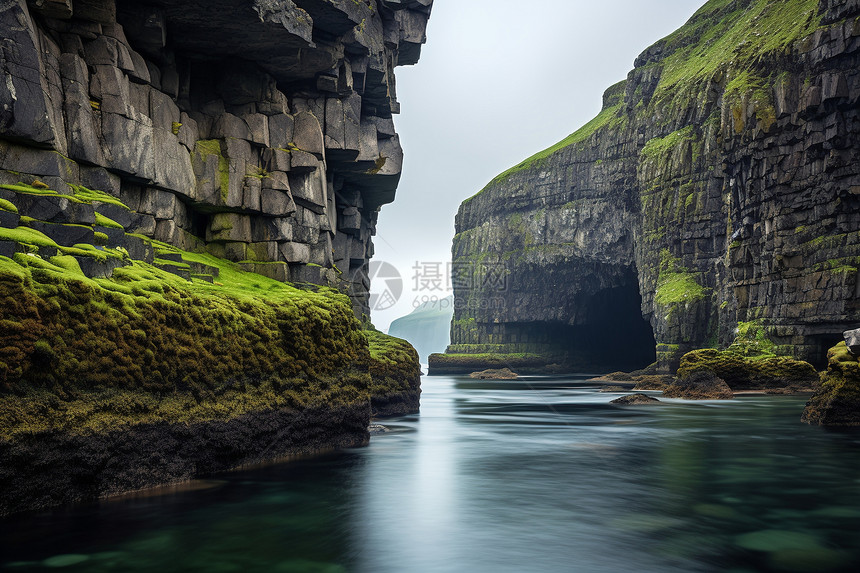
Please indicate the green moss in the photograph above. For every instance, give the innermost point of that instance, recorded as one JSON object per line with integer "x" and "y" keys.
{"x": 212, "y": 147}
{"x": 480, "y": 361}
{"x": 720, "y": 32}
{"x": 742, "y": 373}
{"x": 258, "y": 173}
{"x": 837, "y": 403}
{"x": 7, "y": 206}
{"x": 103, "y": 221}
{"x": 675, "y": 284}
{"x": 31, "y": 190}
{"x": 92, "y": 195}
{"x": 27, "y": 236}
{"x": 660, "y": 146}
{"x": 394, "y": 364}
{"x": 182, "y": 351}
{"x": 163, "y": 263}
{"x": 752, "y": 341}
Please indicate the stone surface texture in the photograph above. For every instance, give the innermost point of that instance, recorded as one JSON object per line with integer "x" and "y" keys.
{"x": 260, "y": 129}
{"x": 720, "y": 185}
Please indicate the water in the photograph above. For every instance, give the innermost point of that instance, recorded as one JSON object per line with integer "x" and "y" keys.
{"x": 540, "y": 475}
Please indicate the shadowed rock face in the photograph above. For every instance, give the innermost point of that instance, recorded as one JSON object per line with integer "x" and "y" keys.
{"x": 719, "y": 185}
{"x": 259, "y": 130}
{"x": 58, "y": 468}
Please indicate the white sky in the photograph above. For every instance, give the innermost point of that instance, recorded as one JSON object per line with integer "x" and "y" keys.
{"x": 498, "y": 81}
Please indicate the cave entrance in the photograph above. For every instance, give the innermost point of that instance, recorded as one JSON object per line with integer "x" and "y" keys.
{"x": 821, "y": 344}
{"x": 613, "y": 336}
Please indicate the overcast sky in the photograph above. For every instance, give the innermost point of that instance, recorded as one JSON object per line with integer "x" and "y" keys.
{"x": 498, "y": 81}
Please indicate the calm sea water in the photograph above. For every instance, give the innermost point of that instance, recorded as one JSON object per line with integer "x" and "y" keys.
{"x": 539, "y": 475}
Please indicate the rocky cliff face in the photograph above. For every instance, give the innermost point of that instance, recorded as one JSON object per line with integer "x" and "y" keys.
{"x": 167, "y": 170}
{"x": 257, "y": 130}
{"x": 718, "y": 191}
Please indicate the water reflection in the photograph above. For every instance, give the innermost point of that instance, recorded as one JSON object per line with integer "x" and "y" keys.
{"x": 539, "y": 475}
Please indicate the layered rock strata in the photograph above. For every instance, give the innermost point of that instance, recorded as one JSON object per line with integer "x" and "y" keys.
{"x": 259, "y": 130}
{"x": 718, "y": 190}
{"x": 169, "y": 172}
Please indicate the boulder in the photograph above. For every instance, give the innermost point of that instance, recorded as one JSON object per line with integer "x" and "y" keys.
{"x": 742, "y": 373}
{"x": 495, "y": 374}
{"x": 699, "y": 385}
{"x": 635, "y": 399}
{"x": 837, "y": 402}
{"x": 613, "y": 389}
{"x": 852, "y": 341}
{"x": 653, "y": 382}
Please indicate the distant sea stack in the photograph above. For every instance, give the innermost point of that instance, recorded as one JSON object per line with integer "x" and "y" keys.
{"x": 713, "y": 202}
{"x": 187, "y": 197}
{"x": 427, "y": 328}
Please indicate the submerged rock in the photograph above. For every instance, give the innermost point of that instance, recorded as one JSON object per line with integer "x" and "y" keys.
{"x": 377, "y": 429}
{"x": 837, "y": 403}
{"x": 493, "y": 374}
{"x": 635, "y": 399}
{"x": 700, "y": 385}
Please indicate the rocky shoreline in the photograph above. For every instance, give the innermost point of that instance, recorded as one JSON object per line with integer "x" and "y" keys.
{"x": 55, "y": 468}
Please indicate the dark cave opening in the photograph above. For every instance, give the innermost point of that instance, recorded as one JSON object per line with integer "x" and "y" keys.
{"x": 614, "y": 335}
{"x": 823, "y": 343}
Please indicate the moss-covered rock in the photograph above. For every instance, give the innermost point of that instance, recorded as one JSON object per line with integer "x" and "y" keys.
{"x": 837, "y": 403}
{"x": 699, "y": 385}
{"x": 395, "y": 387}
{"x": 653, "y": 381}
{"x": 245, "y": 368}
{"x": 495, "y": 374}
{"x": 636, "y": 400}
{"x": 742, "y": 373}
{"x": 441, "y": 364}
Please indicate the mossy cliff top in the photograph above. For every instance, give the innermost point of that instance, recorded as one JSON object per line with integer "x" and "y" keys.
{"x": 395, "y": 371}
{"x": 730, "y": 42}
{"x": 158, "y": 347}
{"x": 147, "y": 346}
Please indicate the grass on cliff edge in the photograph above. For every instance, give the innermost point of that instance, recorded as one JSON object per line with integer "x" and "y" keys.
{"x": 728, "y": 33}
{"x": 603, "y": 118}
{"x": 723, "y": 34}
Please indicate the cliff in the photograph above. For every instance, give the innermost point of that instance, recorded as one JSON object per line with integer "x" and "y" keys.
{"x": 715, "y": 197}
{"x": 427, "y": 327}
{"x": 188, "y": 193}
{"x": 258, "y": 131}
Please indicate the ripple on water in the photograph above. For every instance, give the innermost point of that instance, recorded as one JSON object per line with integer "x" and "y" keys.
{"x": 68, "y": 560}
